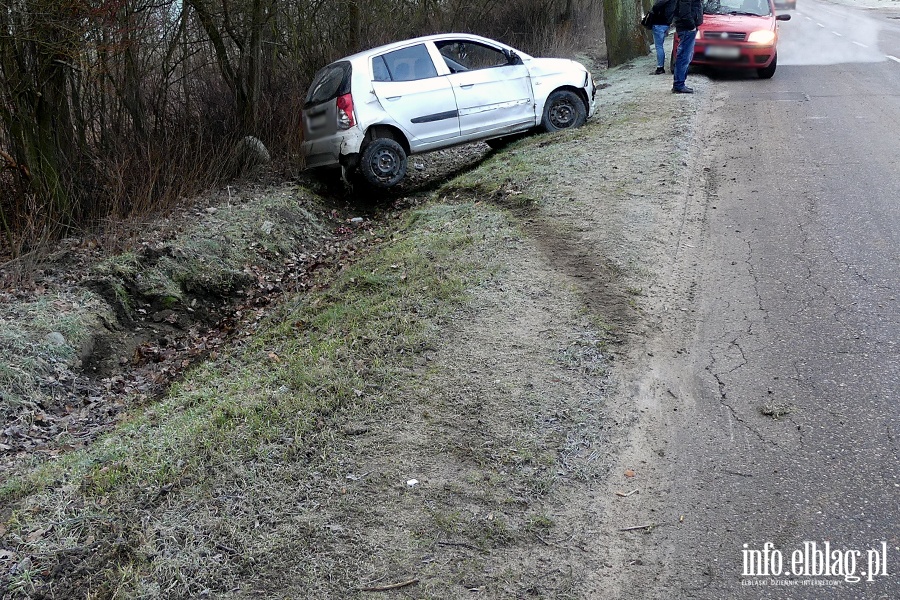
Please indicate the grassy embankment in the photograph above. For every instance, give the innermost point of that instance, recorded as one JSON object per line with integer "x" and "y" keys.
{"x": 322, "y": 356}
{"x": 89, "y": 520}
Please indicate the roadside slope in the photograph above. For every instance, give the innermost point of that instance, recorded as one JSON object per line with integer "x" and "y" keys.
{"x": 448, "y": 413}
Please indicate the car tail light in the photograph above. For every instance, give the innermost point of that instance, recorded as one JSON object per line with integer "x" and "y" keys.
{"x": 345, "y": 112}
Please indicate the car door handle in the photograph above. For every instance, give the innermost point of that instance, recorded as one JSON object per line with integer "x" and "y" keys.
{"x": 467, "y": 86}
{"x": 394, "y": 97}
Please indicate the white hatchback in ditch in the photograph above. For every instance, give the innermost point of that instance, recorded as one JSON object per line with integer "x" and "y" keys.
{"x": 371, "y": 110}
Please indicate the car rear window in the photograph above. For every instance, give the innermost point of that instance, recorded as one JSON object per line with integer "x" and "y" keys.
{"x": 406, "y": 64}
{"x": 329, "y": 83}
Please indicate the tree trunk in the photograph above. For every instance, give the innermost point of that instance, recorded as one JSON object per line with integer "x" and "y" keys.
{"x": 354, "y": 24}
{"x": 35, "y": 60}
{"x": 624, "y": 35}
{"x": 240, "y": 60}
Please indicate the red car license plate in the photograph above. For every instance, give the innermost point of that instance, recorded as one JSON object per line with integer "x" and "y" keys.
{"x": 723, "y": 52}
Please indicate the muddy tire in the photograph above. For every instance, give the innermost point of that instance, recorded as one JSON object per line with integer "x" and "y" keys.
{"x": 564, "y": 110}
{"x": 768, "y": 71}
{"x": 383, "y": 163}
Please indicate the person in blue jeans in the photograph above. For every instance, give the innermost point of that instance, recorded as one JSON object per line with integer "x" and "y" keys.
{"x": 688, "y": 17}
{"x": 660, "y": 18}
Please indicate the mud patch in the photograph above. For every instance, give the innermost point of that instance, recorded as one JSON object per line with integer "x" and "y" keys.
{"x": 598, "y": 279}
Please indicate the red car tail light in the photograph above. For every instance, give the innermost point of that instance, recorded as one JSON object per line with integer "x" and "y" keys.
{"x": 345, "y": 112}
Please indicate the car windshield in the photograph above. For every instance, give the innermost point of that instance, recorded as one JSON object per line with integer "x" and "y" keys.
{"x": 759, "y": 8}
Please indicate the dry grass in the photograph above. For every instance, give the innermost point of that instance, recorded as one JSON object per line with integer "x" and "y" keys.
{"x": 31, "y": 352}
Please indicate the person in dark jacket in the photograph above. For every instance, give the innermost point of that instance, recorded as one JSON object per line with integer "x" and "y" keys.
{"x": 660, "y": 18}
{"x": 688, "y": 17}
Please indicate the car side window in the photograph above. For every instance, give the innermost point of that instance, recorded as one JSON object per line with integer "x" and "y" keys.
{"x": 463, "y": 55}
{"x": 406, "y": 64}
{"x": 379, "y": 69}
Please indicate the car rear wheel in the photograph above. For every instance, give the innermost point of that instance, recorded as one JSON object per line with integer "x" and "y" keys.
{"x": 769, "y": 71}
{"x": 383, "y": 163}
{"x": 564, "y": 110}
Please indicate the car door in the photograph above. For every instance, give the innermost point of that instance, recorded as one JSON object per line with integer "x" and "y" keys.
{"x": 493, "y": 94}
{"x": 411, "y": 93}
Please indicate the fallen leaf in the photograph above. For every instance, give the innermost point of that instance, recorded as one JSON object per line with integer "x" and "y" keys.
{"x": 36, "y": 535}
{"x": 629, "y": 473}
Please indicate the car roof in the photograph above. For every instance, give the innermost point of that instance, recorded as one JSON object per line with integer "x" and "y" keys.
{"x": 365, "y": 54}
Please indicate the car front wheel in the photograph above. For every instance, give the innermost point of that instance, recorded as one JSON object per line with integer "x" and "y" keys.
{"x": 564, "y": 110}
{"x": 769, "y": 71}
{"x": 383, "y": 163}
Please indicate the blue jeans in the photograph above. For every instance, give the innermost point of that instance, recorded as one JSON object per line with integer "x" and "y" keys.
{"x": 659, "y": 38}
{"x": 683, "y": 56}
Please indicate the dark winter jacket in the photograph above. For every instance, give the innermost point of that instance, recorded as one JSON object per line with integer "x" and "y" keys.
{"x": 662, "y": 12}
{"x": 688, "y": 14}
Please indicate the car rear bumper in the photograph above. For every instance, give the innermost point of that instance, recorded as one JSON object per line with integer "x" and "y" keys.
{"x": 747, "y": 56}
{"x": 328, "y": 151}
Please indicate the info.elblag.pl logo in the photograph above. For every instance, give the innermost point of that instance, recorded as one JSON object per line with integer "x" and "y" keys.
{"x": 818, "y": 560}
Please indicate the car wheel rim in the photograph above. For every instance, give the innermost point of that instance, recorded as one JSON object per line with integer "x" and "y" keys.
{"x": 562, "y": 114}
{"x": 385, "y": 164}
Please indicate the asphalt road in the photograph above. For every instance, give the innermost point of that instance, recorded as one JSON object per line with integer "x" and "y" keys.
{"x": 789, "y": 388}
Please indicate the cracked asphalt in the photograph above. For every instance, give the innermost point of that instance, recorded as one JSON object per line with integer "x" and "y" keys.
{"x": 776, "y": 380}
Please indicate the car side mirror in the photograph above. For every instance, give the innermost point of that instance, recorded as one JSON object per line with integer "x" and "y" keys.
{"x": 513, "y": 58}
{"x": 782, "y": 17}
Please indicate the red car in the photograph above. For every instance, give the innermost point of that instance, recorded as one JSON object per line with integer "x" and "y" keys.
{"x": 738, "y": 34}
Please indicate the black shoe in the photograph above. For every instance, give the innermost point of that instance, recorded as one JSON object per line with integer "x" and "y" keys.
{"x": 660, "y": 71}
{"x": 682, "y": 90}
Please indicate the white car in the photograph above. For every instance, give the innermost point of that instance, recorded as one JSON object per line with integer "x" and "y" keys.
{"x": 371, "y": 110}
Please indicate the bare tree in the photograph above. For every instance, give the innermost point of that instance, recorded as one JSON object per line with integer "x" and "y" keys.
{"x": 237, "y": 32}
{"x": 39, "y": 61}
